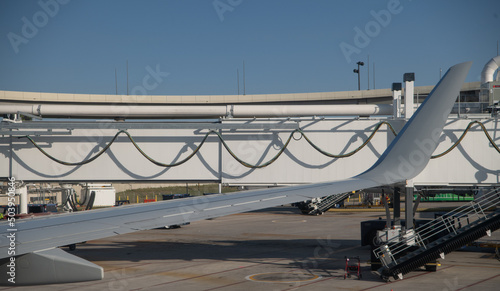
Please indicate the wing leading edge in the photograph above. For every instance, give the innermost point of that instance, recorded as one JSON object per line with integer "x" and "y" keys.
{"x": 405, "y": 158}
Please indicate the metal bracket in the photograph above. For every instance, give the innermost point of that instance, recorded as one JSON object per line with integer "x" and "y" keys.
{"x": 19, "y": 113}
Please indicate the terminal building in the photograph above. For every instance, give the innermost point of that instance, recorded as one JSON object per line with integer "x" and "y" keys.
{"x": 475, "y": 97}
{"x": 470, "y": 93}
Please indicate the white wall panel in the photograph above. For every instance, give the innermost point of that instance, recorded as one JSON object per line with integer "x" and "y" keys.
{"x": 121, "y": 162}
{"x": 301, "y": 163}
{"x": 474, "y": 161}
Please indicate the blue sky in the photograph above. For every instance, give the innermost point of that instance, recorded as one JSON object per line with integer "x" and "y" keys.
{"x": 196, "y": 46}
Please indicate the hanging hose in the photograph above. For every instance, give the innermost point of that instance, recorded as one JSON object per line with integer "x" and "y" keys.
{"x": 246, "y": 164}
{"x": 72, "y": 203}
{"x": 492, "y": 142}
{"x": 173, "y": 164}
{"x": 355, "y": 150}
{"x": 77, "y": 163}
{"x": 91, "y": 201}
{"x": 75, "y": 198}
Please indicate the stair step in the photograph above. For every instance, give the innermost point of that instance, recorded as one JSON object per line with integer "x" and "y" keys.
{"x": 456, "y": 238}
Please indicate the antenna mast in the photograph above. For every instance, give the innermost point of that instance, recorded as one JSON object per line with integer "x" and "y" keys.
{"x": 373, "y": 75}
{"x": 116, "y": 83}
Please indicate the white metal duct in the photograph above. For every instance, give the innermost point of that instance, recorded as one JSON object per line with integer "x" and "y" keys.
{"x": 489, "y": 70}
{"x": 195, "y": 111}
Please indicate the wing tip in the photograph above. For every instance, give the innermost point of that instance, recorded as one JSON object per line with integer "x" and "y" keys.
{"x": 411, "y": 150}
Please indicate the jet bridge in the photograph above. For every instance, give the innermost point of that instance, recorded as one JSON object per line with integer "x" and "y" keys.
{"x": 250, "y": 152}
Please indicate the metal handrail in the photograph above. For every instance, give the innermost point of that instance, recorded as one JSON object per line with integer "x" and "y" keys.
{"x": 446, "y": 223}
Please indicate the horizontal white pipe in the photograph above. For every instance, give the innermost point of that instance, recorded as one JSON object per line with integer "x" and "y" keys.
{"x": 116, "y": 111}
{"x": 310, "y": 110}
{"x": 489, "y": 70}
{"x": 197, "y": 111}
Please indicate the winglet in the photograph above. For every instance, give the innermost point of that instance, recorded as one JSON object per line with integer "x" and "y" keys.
{"x": 411, "y": 150}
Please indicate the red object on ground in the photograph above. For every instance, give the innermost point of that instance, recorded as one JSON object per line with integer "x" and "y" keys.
{"x": 355, "y": 268}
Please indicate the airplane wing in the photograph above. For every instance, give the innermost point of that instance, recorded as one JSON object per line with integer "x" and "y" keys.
{"x": 32, "y": 244}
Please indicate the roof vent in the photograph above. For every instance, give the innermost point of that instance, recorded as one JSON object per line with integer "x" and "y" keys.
{"x": 489, "y": 70}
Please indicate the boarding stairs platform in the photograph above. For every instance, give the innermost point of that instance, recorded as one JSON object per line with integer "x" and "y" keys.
{"x": 435, "y": 239}
{"x": 321, "y": 205}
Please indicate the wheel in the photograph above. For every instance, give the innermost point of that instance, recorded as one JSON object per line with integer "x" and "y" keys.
{"x": 360, "y": 276}
{"x": 376, "y": 242}
{"x": 345, "y": 276}
{"x": 72, "y": 247}
{"x": 431, "y": 268}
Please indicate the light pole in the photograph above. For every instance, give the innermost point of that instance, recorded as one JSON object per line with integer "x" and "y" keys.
{"x": 356, "y": 71}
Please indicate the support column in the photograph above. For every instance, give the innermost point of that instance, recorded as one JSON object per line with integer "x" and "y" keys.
{"x": 397, "y": 206}
{"x": 409, "y": 204}
{"x": 387, "y": 210}
{"x": 396, "y": 99}
{"x": 409, "y": 79}
{"x": 23, "y": 199}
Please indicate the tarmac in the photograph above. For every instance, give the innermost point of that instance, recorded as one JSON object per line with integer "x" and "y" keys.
{"x": 271, "y": 249}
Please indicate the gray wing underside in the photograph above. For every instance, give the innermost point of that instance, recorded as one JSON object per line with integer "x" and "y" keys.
{"x": 64, "y": 229}
{"x": 405, "y": 158}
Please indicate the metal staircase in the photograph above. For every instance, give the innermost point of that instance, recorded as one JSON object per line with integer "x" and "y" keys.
{"x": 440, "y": 236}
{"x": 320, "y": 205}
